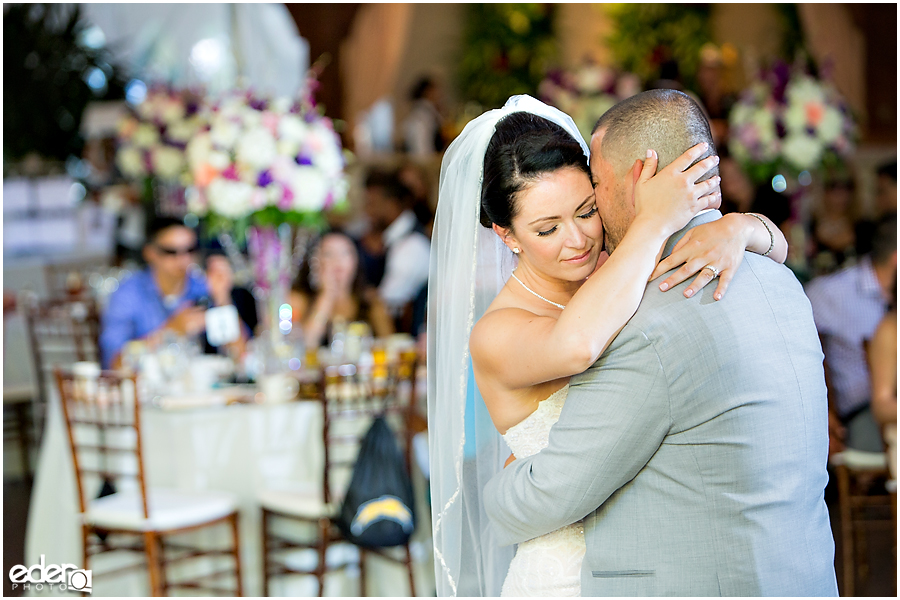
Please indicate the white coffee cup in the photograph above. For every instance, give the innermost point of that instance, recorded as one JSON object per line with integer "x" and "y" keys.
{"x": 86, "y": 376}
{"x": 278, "y": 388}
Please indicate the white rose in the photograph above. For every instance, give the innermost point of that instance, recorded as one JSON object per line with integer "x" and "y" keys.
{"x": 288, "y": 148}
{"x": 291, "y": 128}
{"x": 281, "y": 104}
{"x": 803, "y": 90}
{"x": 172, "y": 110}
{"x": 146, "y": 135}
{"x": 273, "y": 193}
{"x": 329, "y": 160}
{"x": 310, "y": 189}
{"x": 795, "y": 118}
{"x": 148, "y": 109}
{"x": 764, "y": 121}
{"x": 218, "y": 160}
{"x": 830, "y": 126}
{"x": 250, "y": 117}
{"x": 231, "y": 199}
{"x": 131, "y": 162}
{"x": 224, "y": 133}
{"x": 168, "y": 162}
{"x": 256, "y": 148}
{"x": 802, "y": 151}
{"x": 198, "y": 150}
{"x": 182, "y": 131}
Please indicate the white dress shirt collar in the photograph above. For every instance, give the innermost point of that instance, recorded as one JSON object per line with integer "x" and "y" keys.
{"x": 397, "y": 230}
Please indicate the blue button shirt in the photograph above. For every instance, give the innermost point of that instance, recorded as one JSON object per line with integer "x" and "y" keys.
{"x": 137, "y": 308}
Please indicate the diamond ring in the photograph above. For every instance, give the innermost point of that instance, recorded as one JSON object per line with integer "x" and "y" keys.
{"x": 715, "y": 271}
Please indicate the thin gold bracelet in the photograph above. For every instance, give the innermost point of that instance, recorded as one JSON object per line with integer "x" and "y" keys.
{"x": 771, "y": 235}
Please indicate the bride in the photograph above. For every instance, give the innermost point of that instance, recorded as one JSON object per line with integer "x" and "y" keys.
{"x": 516, "y": 191}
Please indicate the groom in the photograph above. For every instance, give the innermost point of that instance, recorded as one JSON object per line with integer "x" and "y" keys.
{"x": 695, "y": 448}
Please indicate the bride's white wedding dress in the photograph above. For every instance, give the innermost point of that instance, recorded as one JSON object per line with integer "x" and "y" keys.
{"x": 548, "y": 565}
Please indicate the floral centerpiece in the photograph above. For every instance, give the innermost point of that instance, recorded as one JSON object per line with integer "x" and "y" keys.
{"x": 790, "y": 121}
{"x": 266, "y": 170}
{"x": 151, "y": 144}
{"x": 265, "y": 162}
{"x": 587, "y": 93}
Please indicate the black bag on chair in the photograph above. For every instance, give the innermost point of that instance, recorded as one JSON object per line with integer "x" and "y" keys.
{"x": 378, "y": 508}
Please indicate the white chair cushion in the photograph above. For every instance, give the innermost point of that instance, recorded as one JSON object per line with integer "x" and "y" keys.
{"x": 297, "y": 502}
{"x": 169, "y": 509}
{"x": 336, "y": 555}
{"x": 859, "y": 459}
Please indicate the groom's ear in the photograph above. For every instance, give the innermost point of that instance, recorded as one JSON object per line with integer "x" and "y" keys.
{"x": 636, "y": 169}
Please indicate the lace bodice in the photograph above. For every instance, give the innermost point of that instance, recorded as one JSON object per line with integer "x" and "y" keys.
{"x": 548, "y": 565}
{"x": 532, "y": 434}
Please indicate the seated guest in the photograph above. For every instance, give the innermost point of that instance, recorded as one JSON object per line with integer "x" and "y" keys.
{"x": 330, "y": 286}
{"x": 883, "y": 370}
{"x": 833, "y": 226}
{"x": 422, "y": 128}
{"x": 885, "y": 205}
{"x": 406, "y": 248}
{"x": 167, "y": 296}
{"x": 886, "y": 199}
{"x": 222, "y": 291}
{"x": 847, "y": 307}
{"x": 414, "y": 177}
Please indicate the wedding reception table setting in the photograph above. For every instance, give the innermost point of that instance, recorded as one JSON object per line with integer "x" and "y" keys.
{"x": 199, "y": 434}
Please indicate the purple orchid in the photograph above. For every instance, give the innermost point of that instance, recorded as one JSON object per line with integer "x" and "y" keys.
{"x": 264, "y": 179}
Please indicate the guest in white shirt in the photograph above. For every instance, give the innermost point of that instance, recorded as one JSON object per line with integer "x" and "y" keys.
{"x": 422, "y": 127}
{"x": 406, "y": 248}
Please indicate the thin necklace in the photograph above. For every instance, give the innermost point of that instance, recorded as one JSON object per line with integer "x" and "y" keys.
{"x": 535, "y": 293}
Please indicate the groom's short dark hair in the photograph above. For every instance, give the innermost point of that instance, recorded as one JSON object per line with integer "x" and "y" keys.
{"x": 665, "y": 120}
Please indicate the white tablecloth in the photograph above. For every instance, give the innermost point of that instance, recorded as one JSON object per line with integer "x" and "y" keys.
{"x": 240, "y": 449}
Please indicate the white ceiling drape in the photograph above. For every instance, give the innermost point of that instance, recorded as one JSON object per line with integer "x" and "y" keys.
{"x": 206, "y": 44}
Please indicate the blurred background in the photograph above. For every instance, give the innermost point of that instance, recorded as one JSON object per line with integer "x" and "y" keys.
{"x": 215, "y": 146}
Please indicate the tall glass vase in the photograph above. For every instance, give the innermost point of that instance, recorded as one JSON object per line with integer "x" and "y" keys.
{"x": 276, "y": 254}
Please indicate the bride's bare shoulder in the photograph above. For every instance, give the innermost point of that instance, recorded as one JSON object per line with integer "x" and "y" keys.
{"x": 498, "y": 323}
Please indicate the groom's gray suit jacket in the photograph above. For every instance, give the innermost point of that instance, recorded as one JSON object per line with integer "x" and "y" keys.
{"x": 702, "y": 436}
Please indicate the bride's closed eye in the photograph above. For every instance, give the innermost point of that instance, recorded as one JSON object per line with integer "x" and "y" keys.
{"x": 586, "y": 215}
{"x": 589, "y": 213}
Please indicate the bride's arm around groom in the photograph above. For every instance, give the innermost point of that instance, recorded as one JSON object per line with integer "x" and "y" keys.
{"x": 695, "y": 449}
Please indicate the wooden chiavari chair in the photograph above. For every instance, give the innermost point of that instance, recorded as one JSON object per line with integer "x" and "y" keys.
{"x": 71, "y": 278}
{"x": 862, "y": 507}
{"x": 102, "y": 416}
{"x": 61, "y": 331}
{"x": 350, "y": 400}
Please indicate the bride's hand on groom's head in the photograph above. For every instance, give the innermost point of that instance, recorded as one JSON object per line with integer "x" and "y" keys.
{"x": 673, "y": 196}
{"x": 711, "y": 250}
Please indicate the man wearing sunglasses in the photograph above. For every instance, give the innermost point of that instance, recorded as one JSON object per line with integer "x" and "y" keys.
{"x": 167, "y": 296}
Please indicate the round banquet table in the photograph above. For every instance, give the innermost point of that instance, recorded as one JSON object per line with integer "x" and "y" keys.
{"x": 239, "y": 448}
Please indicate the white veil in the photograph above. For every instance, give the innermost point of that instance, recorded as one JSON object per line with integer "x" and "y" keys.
{"x": 469, "y": 266}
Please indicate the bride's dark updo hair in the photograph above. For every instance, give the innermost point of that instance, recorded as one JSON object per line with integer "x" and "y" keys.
{"x": 524, "y": 147}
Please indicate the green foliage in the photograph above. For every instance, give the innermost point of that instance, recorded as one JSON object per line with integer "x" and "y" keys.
{"x": 270, "y": 216}
{"x": 45, "y": 66}
{"x": 507, "y": 49}
{"x": 646, "y": 35}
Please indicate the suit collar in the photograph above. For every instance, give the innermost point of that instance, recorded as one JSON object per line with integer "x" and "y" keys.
{"x": 706, "y": 216}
